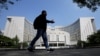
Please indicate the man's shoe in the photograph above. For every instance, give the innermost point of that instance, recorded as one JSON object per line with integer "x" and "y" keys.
{"x": 50, "y": 50}
{"x": 30, "y": 49}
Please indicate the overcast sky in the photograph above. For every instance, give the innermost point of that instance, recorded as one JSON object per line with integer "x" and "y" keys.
{"x": 63, "y": 12}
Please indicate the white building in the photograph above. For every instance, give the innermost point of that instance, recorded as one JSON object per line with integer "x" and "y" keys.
{"x": 57, "y": 36}
{"x": 80, "y": 29}
{"x": 19, "y": 26}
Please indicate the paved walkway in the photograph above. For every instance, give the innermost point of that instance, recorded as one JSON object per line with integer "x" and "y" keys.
{"x": 57, "y": 52}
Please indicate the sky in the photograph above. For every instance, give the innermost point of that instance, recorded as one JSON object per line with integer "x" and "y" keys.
{"x": 63, "y": 12}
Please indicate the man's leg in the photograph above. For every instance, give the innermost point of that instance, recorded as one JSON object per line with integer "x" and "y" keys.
{"x": 39, "y": 33}
{"x": 45, "y": 40}
{"x": 44, "y": 36}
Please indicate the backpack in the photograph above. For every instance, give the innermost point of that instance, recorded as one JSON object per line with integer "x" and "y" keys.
{"x": 36, "y": 23}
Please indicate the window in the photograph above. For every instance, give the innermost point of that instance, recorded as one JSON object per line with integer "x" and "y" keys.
{"x": 53, "y": 44}
{"x": 61, "y": 44}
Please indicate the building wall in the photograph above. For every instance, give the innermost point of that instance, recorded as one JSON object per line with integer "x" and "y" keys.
{"x": 14, "y": 26}
{"x": 28, "y": 31}
{"x": 87, "y": 27}
{"x": 74, "y": 31}
{"x": 57, "y": 36}
{"x": 80, "y": 29}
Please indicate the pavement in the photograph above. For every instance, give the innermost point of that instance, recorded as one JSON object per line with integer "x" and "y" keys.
{"x": 56, "y": 52}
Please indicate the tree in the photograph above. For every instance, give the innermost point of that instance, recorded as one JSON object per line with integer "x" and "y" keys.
{"x": 90, "y": 4}
{"x": 5, "y": 41}
{"x": 94, "y": 39}
{"x": 24, "y": 45}
{"x": 16, "y": 40}
{"x": 81, "y": 44}
{"x": 4, "y": 3}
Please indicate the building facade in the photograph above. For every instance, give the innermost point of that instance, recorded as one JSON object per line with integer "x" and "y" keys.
{"x": 58, "y": 37}
{"x": 80, "y": 29}
{"x": 20, "y": 27}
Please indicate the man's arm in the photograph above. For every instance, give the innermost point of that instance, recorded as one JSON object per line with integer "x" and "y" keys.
{"x": 50, "y": 21}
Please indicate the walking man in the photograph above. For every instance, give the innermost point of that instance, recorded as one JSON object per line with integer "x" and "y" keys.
{"x": 40, "y": 24}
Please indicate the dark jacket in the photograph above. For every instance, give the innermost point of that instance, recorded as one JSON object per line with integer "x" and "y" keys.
{"x": 41, "y": 22}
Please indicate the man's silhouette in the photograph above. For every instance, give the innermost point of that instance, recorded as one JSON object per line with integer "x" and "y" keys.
{"x": 40, "y": 23}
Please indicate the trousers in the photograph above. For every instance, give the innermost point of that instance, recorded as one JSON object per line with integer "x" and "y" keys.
{"x": 40, "y": 32}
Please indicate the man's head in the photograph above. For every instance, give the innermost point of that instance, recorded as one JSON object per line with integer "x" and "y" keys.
{"x": 44, "y": 12}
